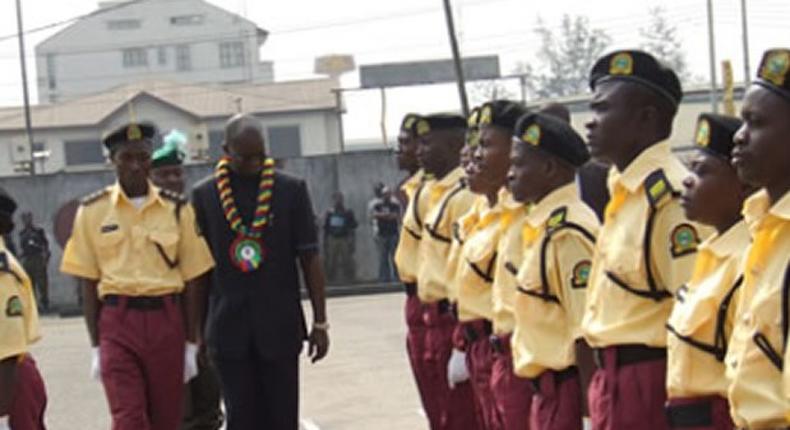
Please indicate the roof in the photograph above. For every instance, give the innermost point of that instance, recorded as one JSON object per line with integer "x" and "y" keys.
{"x": 199, "y": 101}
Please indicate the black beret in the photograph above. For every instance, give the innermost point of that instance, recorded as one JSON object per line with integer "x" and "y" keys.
{"x": 130, "y": 133}
{"x": 502, "y": 113}
{"x": 407, "y": 125}
{"x": 552, "y": 135}
{"x": 774, "y": 72}
{"x": 439, "y": 121}
{"x": 641, "y": 68}
{"x": 7, "y": 204}
{"x": 715, "y": 134}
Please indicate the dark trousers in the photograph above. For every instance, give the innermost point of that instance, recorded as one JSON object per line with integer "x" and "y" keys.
{"x": 142, "y": 365}
{"x": 202, "y": 398}
{"x": 339, "y": 259}
{"x": 386, "y": 246}
{"x": 557, "y": 403}
{"x": 415, "y": 347}
{"x": 260, "y": 393}
{"x": 699, "y": 413}
{"x": 36, "y": 268}
{"x": 513, "y": 395}
{"x": 30, "y": 398}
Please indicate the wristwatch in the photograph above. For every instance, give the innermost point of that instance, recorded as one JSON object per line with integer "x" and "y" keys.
{"x": 323, "y": 326}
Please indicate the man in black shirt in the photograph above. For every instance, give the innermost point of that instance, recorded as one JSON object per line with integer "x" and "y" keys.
{"x": 340, "y": 226}
{"x": 35, "y": 257}
{"x": 261, "y": 228}
{"x": 386, "y": 212}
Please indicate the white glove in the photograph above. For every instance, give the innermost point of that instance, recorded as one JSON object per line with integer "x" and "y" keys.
{"x": 190, "y": 361}
{"x": 95, "y": 365}
{"x": 4, "y": 423}
{"x": 457, "y": 372}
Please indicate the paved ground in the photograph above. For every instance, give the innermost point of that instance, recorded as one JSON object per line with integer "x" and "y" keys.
{"x": 365, "y": 382}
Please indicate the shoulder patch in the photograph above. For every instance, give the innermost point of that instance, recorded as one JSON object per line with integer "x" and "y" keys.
{"x": 657, "y": 187}
{"x": 684, "y": 240}
{"x": 94, "y": 197}
{"x": 173, "y": 196}
{"x": 581, "y": 274}
{"x": 13, "y": 307}
{"x": 558, "y": 218}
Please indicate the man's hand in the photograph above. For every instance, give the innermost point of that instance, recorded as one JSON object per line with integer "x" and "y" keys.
{"x": 190, "y": 361}
{"x": 319, "y": 344}
{"x": 95, "y": 364}
{"x": 457, "y": 372}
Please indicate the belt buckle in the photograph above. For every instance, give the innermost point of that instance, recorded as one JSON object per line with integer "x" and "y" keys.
{"x": 598, "y": 358}
{"x": 496, "y": 344}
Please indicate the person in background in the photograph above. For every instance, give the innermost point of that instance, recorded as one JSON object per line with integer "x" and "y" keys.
{"x": 340, "y": 227}
{"x": 167, "y": 162}
{"x": 386, "y": 214}
{"x": 35, "y": 258}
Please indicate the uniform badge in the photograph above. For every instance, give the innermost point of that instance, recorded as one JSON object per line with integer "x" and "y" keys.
{"x": 684, "y": 240}
{"x": 581, "y": 274}
{"x": 247, "y": 254}
{"x": 532, "y": 135}
{"x": 409, "y": 122}
{"x": 622, "y": 64}
{"x": 473, "y": 119}
{"x": 423, "y": 128}
{"x": 134, "y": 133}
{"x": 775, "y": 68}
{"x": 485, "y": 116}
{"x": 14, "y": 308}
{"x": 703, "y": 133}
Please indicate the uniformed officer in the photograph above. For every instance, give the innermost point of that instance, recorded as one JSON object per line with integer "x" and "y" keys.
{"x": 558, "y": 239}
{"x": 757, "y": 357}
{"x": 167, "y": 162}
{"x": 476, "y": 242}
{"x": 202, "y": 395}
{"x": 35, "y": 258}
{"x": 136, "y": 250}
{"x": 645, "y": 250}
{"x": 441, "y": 137}
{"x": 705, "y": 308}
{"x": 23, "y": 397}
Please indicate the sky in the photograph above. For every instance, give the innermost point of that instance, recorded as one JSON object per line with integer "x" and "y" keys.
{"x": 379, "y": 31}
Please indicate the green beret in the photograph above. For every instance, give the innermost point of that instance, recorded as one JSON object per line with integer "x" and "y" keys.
{"x": 171, "y": 152}
{"x": 440, "y": 121}
{"x": 129, "y": 133}
{"x": 641, "y": 68}
{"x": 553, "y": 136}
{"x": 501, "y": 113}
{"x": 774, "y": 72}
{"x": 715, "y": 134}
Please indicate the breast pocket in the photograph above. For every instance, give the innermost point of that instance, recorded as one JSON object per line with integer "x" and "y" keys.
{"x": 109, "y": 246}
{"x": 166, "y": 244}
{"x": 625, "y": 256}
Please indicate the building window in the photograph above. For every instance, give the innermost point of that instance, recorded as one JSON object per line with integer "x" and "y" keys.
{"x": 285, "y": 141}
{"x": 186, "y": 20}
{"x": 83, "y": 152}
{"x": 161, "y": 54}
{"x": 231, "y": 54}
{"x": 123, "y": 24}
{"x": 39, "y": 147}
{"x": 183, "y": 57}
{"x": 52, "y": 82}
{"x": 135, "y": 57}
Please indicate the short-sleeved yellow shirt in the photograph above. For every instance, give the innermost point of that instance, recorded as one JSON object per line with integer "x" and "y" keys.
{"x": 411, "y": 231}
{"x": 19, "y": 315}
{"x": 510, "y": 254}
{"x": 150, "y": 251}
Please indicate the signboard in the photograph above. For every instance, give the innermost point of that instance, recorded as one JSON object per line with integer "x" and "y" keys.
{"x": 427, "y": 72}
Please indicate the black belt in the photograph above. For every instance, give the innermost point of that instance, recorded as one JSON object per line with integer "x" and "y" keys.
{"x": 698, "y": 414}
{"x": 560, "y": 376}
{"x": 141, "y": 303}
{"x": 475, "y": 330}
{"x": 629, "y": 354}
{"x": 411, "y": 289}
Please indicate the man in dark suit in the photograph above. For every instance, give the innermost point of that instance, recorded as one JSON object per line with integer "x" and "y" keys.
{"x": 261, "y": 228}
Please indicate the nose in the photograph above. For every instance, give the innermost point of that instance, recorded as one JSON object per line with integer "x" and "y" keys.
{"x": 589, "y": 124}
{"x": 688, "y": 181}
{"x": 739, "y": 139}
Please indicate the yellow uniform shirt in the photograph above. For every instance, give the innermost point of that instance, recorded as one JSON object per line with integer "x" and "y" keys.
{"x": 645, "y": 252}
{"x": 449, "y": 199}
{"x": 755, "y": 356}
{"x": 411, "y": 230}
{"x": 510, "y": 254}
{"x": 475, "y": 262}
{"x": 149, "y": 251}
{"x": 19, "y": 315}
{"x": 703, "y": 315}
{"x": 559, "y": 239}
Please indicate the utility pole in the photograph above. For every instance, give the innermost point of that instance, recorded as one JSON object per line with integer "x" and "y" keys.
{"x": 28, "y": 126}
{"x": 747, "y": 73}
{"x": 459, "y": 71}
{"x": 712, "y": 47}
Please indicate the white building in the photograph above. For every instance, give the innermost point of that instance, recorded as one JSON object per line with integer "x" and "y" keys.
{"x": 300, "y": 118}
{"x": 188, "y": 41}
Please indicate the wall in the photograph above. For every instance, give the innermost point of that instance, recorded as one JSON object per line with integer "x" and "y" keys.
{"x": 354, "y": 174}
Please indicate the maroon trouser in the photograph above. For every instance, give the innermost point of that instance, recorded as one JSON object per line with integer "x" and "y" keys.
{"x": 628, "y": 390}
{"x": 30, "y": 397}
{"x": 415, "y": 347}
{"x": 557, "y": 403}
{"x": 512, "y": 395}
{"x": 141, "y": 343}
{"x": 699, "y": 413}
{"x": 456, "y": 406}
{"x": 473, "y": 338}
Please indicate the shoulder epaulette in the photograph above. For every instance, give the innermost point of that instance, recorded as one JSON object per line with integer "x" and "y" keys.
{"x": 173, "y": 196}
{"x": 658, "y": 188}
{"x": 558, "y": 218}
{"x": 94, "y": 197}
